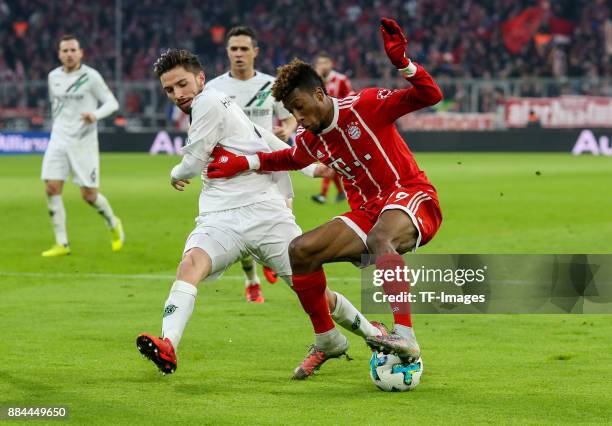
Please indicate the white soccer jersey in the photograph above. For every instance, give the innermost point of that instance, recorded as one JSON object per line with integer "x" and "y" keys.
{"x": 217, "y": 120}
{"x": 72, "y": 94}
{"x": 254, "y": 96}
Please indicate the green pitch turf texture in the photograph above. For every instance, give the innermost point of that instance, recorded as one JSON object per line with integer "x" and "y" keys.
{"x": 69, "y": 324}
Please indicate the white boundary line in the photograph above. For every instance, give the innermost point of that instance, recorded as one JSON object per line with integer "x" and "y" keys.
{"x": 143, "y": 277}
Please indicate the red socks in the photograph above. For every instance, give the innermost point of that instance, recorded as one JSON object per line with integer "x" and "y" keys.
{"x": 338, "y": 183}
{"x": 395, "y": 286}
{"x": 310, "y": 289}
{"x": 325, "y": 186}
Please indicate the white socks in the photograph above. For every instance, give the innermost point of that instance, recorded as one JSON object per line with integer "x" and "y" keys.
{"x": 330, "y": 339}
{"x": 404, "y": 331}
{"x": 104, "y": 208}
{"x": 177, "y": 310}
{"x": 250, "y": 271}
{"x": 58, "y": 218}
{"x": 350, "y": 318}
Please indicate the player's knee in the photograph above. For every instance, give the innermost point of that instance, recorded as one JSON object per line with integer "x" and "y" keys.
{"x": 407, "y": 245}
{"x": 297, "y": 249}
{"x": 407, "y": 240}
{"x": 89, "y": 196}
{"x": 192, "y": 269}
{"x": 379, "y": 242}
{"x": 52, "y": 189}
{"x": 301, "y": 254}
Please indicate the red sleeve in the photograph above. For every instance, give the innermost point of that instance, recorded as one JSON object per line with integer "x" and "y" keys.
{"x": 345, "y": 88}
{"x": 294, "y": 158}
{"x": 389, "y": 104}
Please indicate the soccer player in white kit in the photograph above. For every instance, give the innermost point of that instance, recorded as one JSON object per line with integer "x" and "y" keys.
{"x": 243, "y": 215}
{"x": 251, "y": 90}
{"x": 75, "y": 90}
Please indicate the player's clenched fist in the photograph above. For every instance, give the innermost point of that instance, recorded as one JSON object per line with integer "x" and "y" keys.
{"x": 395, "y": 42}
{"x": 226, "y": 164}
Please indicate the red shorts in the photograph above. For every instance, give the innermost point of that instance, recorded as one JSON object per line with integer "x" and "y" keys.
{"x": 420, "y": 204}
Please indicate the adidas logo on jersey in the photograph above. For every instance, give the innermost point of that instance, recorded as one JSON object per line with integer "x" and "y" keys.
{"x": 320, "y": 154}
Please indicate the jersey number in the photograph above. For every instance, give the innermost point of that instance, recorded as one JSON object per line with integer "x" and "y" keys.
{"x": 401, "y": 195}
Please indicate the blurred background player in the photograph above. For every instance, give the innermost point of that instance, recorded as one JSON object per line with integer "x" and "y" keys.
{"x": 75, "y": 90}
{"x": 251, "y": 90}
{"x": 337, "y": 85}
{"x": 247, "y": 214}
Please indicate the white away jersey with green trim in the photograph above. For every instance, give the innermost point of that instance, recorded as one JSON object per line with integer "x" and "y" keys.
{"x": 72, "y": 94}
{"x": 254, "y": 96}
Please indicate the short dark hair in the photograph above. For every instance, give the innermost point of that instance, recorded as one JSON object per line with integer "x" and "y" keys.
{"x": 66, "y": 37}
{"x": 173, "y": 58}
{"x": 323, "y": 54}
{"x": 244, "y": 31}
{"x": 296, "y": 74}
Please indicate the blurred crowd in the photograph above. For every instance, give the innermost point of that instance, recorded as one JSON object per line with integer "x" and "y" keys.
{"x": 454, "y": 38}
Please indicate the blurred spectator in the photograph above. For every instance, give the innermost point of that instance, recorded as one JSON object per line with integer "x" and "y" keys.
{"x": 456, "y": 37}
{"x": 120, "y": 123}
{"x": 533, "y": 121}
{"x": 452, "y": 38}
{"x": 37, "y": 122}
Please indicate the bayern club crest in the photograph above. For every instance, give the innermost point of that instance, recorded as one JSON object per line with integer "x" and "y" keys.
{"x": 353, "y": 131}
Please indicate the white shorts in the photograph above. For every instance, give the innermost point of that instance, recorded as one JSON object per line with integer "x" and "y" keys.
{"x": 82, "y": 160}
{"x": 263, "y": 230}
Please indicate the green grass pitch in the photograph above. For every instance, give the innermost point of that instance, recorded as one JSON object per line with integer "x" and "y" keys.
{"x": 69, "y": 324}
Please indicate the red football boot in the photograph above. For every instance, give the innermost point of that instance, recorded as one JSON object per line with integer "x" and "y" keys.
{"x": 253, "y": 293}
{"x": 379, "y": 325}
{"x": 159, "y": 350}
{"x": 316, "y": 357}
{"x": 270, "y": 275}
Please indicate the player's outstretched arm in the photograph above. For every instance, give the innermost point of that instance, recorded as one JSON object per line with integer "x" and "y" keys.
{"x": 276, "y": 144}
{"x": 424, "y": 91}
{"x": 227, "y": 164}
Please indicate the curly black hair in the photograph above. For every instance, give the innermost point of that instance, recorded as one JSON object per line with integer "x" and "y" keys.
{"x": 296, "y": 74}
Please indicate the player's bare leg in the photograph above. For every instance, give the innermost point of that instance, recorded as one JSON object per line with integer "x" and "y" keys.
{"x": 194, "y": 267}
{"x": 392, "y": 234}
{"x": 99, "y": 202}
{"x": 57, "y": 212}
{"x": 252, "y": 286}
{"x": 332, "y": 241}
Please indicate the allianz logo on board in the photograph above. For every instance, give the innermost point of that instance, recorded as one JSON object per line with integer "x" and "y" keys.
{"x": 165, "y": 144}
{"x": 587, "y": 143}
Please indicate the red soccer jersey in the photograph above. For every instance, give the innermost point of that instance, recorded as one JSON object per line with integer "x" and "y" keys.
{"x": 362, "y": 143}
{"x": 337, "y": 85}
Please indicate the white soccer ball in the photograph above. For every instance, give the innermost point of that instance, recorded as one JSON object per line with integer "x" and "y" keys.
{"x": 391, "y": 375}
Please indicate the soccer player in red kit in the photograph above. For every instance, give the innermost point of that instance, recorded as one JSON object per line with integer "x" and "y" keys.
{"x": 394, "y": 207}
{"x": 338, "y": 86}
